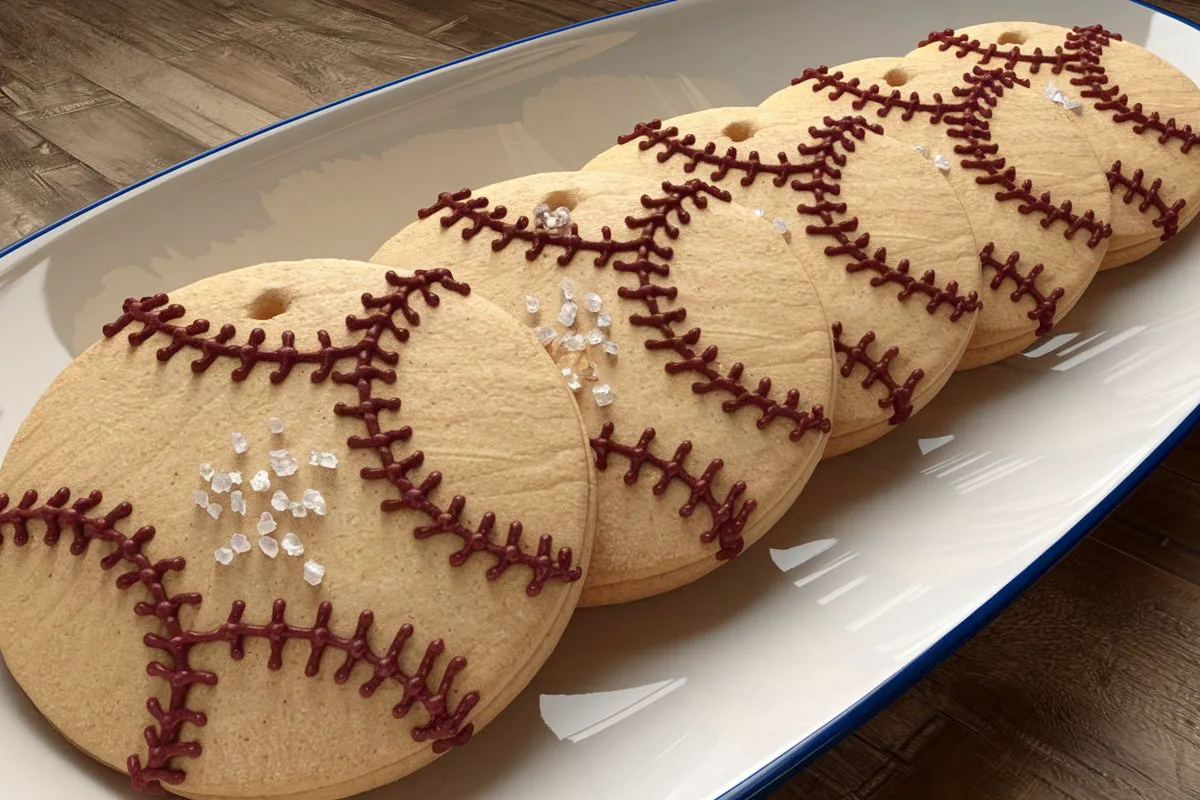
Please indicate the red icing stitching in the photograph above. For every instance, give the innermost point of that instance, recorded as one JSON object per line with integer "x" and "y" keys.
{"x": 823, "y": 169}
{"x": 727, "y": 518}
{"x": 368, "y": 355}
{"x": 461, "y": 206}
{"x": 1045, "y": 306}
{"x": 899, "y": 396}
{"x": 1134, "y": 186}
{"x": 1087, "y": 50}
{"x": 164, "y": 738}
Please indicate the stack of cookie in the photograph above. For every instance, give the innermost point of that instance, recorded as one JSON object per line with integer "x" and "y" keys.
{"x": 565, "y": 389}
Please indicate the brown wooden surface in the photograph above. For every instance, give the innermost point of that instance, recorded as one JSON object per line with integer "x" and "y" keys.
{"x": 1088, "y": 687}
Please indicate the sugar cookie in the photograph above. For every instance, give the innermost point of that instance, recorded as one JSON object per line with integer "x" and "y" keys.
{"x": 278, "y": 525}
{"x": 1138, "y": 112}
{"x": 885, "y": 240}
{"x": 704, "y": 386}
{"x": 1039, "y": 203}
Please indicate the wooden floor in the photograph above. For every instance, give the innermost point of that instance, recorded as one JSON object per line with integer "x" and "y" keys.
{"x": 1089, "y": 687}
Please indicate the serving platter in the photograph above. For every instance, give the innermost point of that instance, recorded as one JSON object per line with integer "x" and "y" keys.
{"x": 891, "y": 558}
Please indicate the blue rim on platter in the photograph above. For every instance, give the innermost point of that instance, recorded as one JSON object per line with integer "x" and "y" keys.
{"x": 807, "y": 749}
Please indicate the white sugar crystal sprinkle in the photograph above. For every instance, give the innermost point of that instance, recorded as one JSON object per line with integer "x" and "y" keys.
{"x": 758, "y": 212}
{"x": 567, "y": 288}
{"x": 269, "y": 546}
{"x": 298, "y": 510}
{"x": 314, "y": 501}
{"x": 539, "y": 211}
{"x": 314, "y": 573}
{"x": 223, "y": 555}
{"x": 920, "y": 148}
{"x": 572, "y": 380}
{"x": 941, "y": 162}
{"x": 604, "y": 320}
{"x": 574, "y": 342}
{"x": 283, "y": 463}
{"x": 566, "y": 314}
{"x": 239, "y": 543}
{"x": 214, "y": 510}
{"x": 240, "y": 445}
{"x": 292, "y": 545}
{"x": 237, "y": 503}
{"x": 610, "y": 347}
{"x": 261, "y": 481}
{"x": 603, "y": 394}
{"x": 235, "y": 478}
{"x": 532, "y": 304}
{"x": 319, "y": 458}
{"x": 556, "y": 219}
{"x": 207, "y": 471}
{"x": 779, "y": 225}
{"x": 201, "y": 498}
{"x": 221, "y": 482}
{"x": 544, "y": 335}
{"x": 594, "y": 336}
{"x": 592, "y": 302}
{"x": 266, "y": 523}
{"x": 590, "y": 373}
{"x": 275, "y": 424}
{"x": 279, "y": 500}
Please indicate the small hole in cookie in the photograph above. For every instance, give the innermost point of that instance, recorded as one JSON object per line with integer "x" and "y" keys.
{"x": 268, "y": 305}
{"x": 895, "y": 77}
{"x": 739, "y": 131}
{"x": 563, "y": 199}
{"x": 1010, "y": 37}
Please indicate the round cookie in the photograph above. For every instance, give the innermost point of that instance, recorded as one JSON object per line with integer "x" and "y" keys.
{"x": 885, "y": 241}
{"x": 419, "y": 607}
{"x": 1038, "y": 203}
{"x": 704, "y": 386}
{"x": 1141, "y": 115}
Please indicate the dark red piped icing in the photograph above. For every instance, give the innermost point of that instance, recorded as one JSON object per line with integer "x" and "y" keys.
{"x": 1045, "y": 305}
{"x": 820, "y": 160}
{"x": 461, "y": 206}
{"x": 726, "y": 517}
{"x": 1134, "y": 188}
{"x": 373, "y": 365}
{"x": 1082, "y": 55}
{"x": 967, "y": 118}
{"x": 899, "y": 395}
{"x": 164, "y": 738}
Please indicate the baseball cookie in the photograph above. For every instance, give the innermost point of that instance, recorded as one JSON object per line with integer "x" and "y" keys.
{"x": 315, "y": 533}
{"x": 1137, "y": 110}
{"x": 885, "y": 240}
{"x": 703, "y": 383}
{"x": 1029, "y": 181}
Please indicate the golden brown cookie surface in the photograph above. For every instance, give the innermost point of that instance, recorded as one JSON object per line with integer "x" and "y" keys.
{"x": 709, "y": 416}
{"x": 884, "y": 238}
{"x": 1038, "y": 203}
{"x": 1141, "y": 115}
{"x": 436, "y": 439}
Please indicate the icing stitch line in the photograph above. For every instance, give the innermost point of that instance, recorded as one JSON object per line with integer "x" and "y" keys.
{"x": 175, "y": 642}
{"x": 967, "y": 118}
{"x": 373, "y": 364}
{"x": 1086, "y": 46}
{"x": 821, "y": 161}
{"x": 899, "y": 396}
{"x": 725, "y": 528}
{"x": 728, "y": 519}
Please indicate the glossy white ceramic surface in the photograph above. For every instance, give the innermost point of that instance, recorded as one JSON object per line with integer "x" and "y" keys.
{"x": 688, "y": 695}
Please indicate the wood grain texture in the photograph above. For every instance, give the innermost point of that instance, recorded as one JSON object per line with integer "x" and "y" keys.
{"x": 1088, "y": 687}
